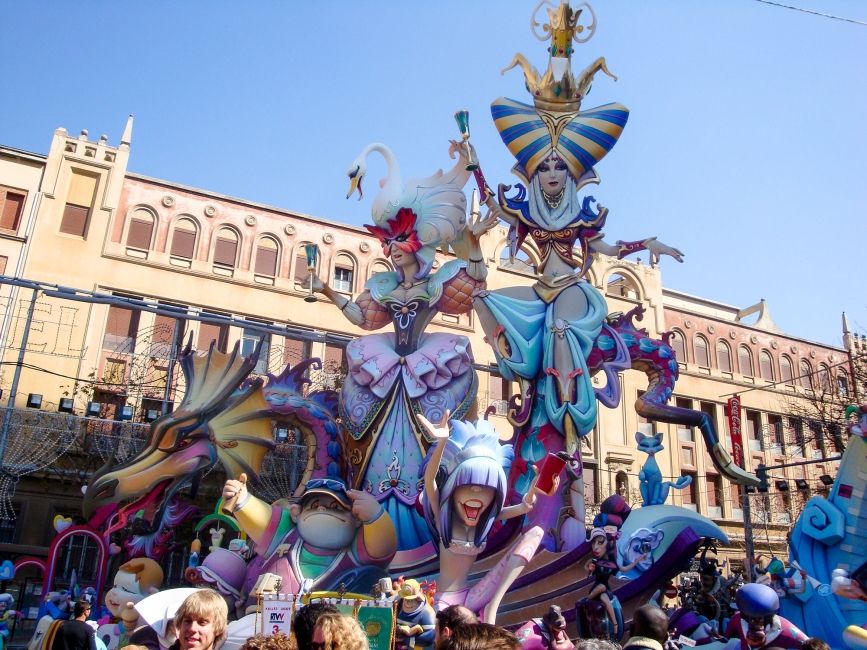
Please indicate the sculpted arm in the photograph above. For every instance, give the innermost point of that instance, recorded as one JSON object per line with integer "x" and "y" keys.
{"x": 379, "y": 536}
{"x": 364, "y": 312}
{"x": 440, "y": 432}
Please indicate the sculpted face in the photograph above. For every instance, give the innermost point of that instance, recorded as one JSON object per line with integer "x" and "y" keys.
{"x": 126, "y": 589}
{"x": 324, "y": 522}
{"x": 552, "y": 175}
{"x": 401, "y": 258}
{"x": 599, "y": 546}
{"x": 470, "y": 501}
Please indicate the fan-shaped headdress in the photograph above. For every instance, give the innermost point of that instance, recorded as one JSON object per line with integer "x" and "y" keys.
{"x": 555, "y": 122}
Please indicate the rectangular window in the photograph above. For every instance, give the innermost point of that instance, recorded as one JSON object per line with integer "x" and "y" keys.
{"x": 752, "y": 425}
{"x": 688, "y": 494}
{"x": 684, "y": 432}
{"x": 249, "y": 340}
{"x": 9, "y": 527}
{"x": 3, "y": 262}
{"x": 343, "y": 280}
{"x": 121, "y": 330}
{"x": 295, "y": 350}
{"x": 212, "y": 332}
{"x": 74, "y": 220}
{"x": 714, "y": 496}
{"x": 335, "y": 358}
{"x": 11, "y": 209}
{"x": 775, "y": 433}
{"x": 163, "y": 345}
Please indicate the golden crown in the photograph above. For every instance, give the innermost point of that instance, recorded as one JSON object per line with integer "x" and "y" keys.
{"x": 558, "y": 89}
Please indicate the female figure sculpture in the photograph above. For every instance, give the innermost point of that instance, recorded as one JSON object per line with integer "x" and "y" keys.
{"x": 465, "y": 492}
{"x": 395, "y": 378}
{"x": 550, "y": 338}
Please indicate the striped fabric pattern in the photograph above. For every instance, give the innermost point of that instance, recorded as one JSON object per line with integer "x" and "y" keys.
{"x": 580, "y": 139}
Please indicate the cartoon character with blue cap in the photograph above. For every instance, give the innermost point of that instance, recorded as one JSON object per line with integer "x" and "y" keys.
{"x": 332, "y": 535}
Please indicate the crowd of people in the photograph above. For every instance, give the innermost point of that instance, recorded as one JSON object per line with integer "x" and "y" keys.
{"x": 201, "y": 623}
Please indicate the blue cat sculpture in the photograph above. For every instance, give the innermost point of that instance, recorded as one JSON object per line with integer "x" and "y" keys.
{"x": 654, "y": 491}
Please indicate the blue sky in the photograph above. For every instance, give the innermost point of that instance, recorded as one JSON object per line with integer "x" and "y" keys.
{"x": 746, "y": 146}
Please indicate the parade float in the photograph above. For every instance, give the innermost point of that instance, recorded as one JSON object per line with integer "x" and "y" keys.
{"x": 402, "y": 475}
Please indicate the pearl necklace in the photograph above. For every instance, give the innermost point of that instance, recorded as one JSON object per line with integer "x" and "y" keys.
{"x": 554, "y": 202}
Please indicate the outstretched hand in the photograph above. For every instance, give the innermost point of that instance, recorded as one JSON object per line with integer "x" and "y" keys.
{"x": 318, "y": 284}
{"x": 478, "y": 225}
{"x": 438, "y": 431}
{"x": 657, "y": 248}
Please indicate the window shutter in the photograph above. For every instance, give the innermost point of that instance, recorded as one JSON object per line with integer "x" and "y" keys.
{"x": 293, "y": 351}
{"x": 12, "y": 209}
{"x": 225, "y": 252}
{"x": 140, "y": 232}
{"x": 183, "y": 243}
{"x": 74, "y": 220}
{"x": 266, "y": 261}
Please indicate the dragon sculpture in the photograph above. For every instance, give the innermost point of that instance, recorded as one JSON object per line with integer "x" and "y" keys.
{"x": 215, "y": 422}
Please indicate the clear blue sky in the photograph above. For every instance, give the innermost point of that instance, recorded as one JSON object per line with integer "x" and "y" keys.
{"x": 746, "y": 146}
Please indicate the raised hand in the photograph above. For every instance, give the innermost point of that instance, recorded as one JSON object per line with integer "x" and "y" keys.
{"x": 318, "y": 284}
{"x": 234, "y": 491}
{"x": 364, "y": 506}
{"x": 439, "y": 431}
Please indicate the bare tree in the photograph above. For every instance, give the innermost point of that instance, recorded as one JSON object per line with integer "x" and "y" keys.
{"x": 817, "y": 416}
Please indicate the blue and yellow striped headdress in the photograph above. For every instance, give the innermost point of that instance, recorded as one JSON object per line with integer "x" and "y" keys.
{"x": 555, "y": 122}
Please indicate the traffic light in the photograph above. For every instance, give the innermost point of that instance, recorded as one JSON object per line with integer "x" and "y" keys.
{"x": 762, "y": 475}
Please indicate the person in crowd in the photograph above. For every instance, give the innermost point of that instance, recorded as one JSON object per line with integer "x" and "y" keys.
{"x": 815, "y": 643}
{"x": 305, "y": 621}
{"x": 649, "y": 629}
{"x": 479, "y": 636}
{"x": 76, "y": 634}
{"x": 338, "y": 632}
{"x": 451, "y": 618}
{"x": 270, "y": 642}
{"x": 596, "y": 644}
{"x": 201, "y": 621}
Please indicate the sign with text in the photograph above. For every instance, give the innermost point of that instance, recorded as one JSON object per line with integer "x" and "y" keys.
{"x": 733, "y": 415}
{"x": 277, "y": 615}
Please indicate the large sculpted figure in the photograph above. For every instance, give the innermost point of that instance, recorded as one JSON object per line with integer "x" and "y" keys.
{"x": 553, "y": 336}
{"x": 331, "y": 536}
{"x": 395, "y": 377}
{"x": 465, "y": 492}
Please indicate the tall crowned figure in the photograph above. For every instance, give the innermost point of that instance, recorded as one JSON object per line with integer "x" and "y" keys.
{"x": 552, "y": 337}
{"x": 393, "y": 378}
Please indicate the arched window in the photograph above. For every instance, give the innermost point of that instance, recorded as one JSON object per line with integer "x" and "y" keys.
{"x": 843, "y": 385}
{"x": 267, "y": 253}
{"x": 723, "y": 356}
{"x": 678, "y": 344}
{"x": 806, "y": 372}
{"x": 344, "y": 273}
{"x": 745, "y": 361}
{"x": 523, "y": 262}
{"x": 622, "y": 286}
{"x": 379, "y": 266}
{"x": 226, "y": 247}
{"x": 766, "y": 365}
{"x": 621, "y": 482}
{"x": 184, "y": 239}
{"x": 141, "y": 229}
{"x": 824, "y": 378}
{"x": 702, "y": 357}
{"x": 786, "y": 374}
